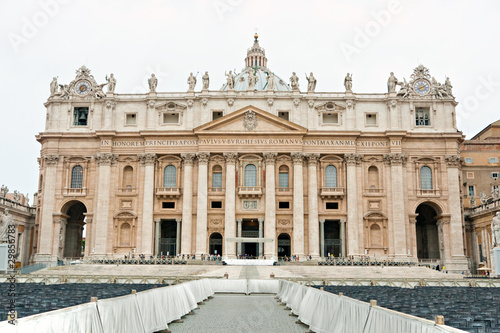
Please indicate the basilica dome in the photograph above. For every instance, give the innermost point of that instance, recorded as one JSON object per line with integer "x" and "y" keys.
{"x": 256, "y": 63}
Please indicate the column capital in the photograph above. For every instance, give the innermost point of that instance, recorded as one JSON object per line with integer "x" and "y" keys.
{"x": 230, "y": 157}
{"x": 312, "y": 159}
{"x": 203, "y": 157}
{"x": 106, "y": 158}
{"x": 322, "y": 220}
{"x": 188, "y": 158}
{"x": 260, "y": 219}
{"x": 157, "y": 221}
{"x": 239, "y": 220}
{"x": 51, "y": 159}
{"x": 452, "y": 161}
{"x": 395, "y": 159}
{"x": 343, "y": 221}
{"x": 147, "y": 158}
{"x": 270, "y": 158}
{"x": 353, "y": 159}
{"x": 178, "y": 220}
{"x": 297, "y": 157}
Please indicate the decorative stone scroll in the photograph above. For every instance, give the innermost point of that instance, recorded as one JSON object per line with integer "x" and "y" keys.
{"x": 231, "y": 157}
{"x": 203, "y": 157}
{"x": 452, "y": 161}
{"x": 353, "y": 159}
{"x": 395, "y": 159}
{"x": 188, "y": 158}
{"x": 51, "y": 159}
{"x": 147, "y": 158}
{"x": 250, "y": 121}
{"x": 283, "y": 222}
{"x": 106, "y": 158}
{"x": 270, "y": 158}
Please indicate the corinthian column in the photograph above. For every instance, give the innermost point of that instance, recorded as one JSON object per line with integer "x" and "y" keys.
{"x": 187, "y": 204}
{"x": 230, "y": 202}
{"x": 298, "y": 205}
{"x": 201, "y": 207}
{"x": 46, "y": 222}
{"x": 261, "y": 235}
{"x": 104, "y": 161}
{"x": 313, "y": 205}
{"x": 148, "y": 161}
{"x": 270, "y": 214}
{"x": 456, "y": 235}
{"x": 352, "y": 203}
{"x": 399, "y": 219}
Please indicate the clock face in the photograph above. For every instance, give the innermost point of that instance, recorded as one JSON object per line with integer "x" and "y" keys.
{"x": 82, "y": 87}
{"x": 421, "y": 87}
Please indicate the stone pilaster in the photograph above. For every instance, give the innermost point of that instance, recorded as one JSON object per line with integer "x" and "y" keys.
{"x": 102, "y": 222}
{"x": 313, "y": 205}
{"x": 239, "y": 222}
{"x": 413, "y": 236}
{"x": 298, "y": 205}
{"x": 148, "y": 161}
{"x": 178, "y": 237}
{"x": 342, "y": 237}
{"x": 89, "y": 229}
{"x": 352, "y": 160}
{"x": 261, "y": 235}
{"x": 201, "y": 207}
{"x": 187, "y": 204}
{"x": 46, "y": 223}
{"x": 399, "y": 220}
{"x": 60, "y": 221}
{"x": 270, "y": 214}
{"x": 157, "y": 236}
{"x": 322, "y": 237}
{"x": 230, "y": 204}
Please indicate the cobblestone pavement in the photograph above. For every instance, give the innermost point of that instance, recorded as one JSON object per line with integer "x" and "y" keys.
{"x": 239, "y": 314}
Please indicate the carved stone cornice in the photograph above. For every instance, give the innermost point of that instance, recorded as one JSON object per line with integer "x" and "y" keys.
{"x": 270, "y": 158}
{"x": 106, "y": 158}
{"x": 312, "y": 159}
{"x": 297, "y": 157}
{"x": 51, "y": 159}
{"x": 395, "y": 159}
{"x": 188, "y": 158}
{"x": 203, "y": 157}
{"x": 230, "y": 157}
{"x": 353, "y": 159}
{"x": 452, "y": 160}
{"x": 147, "y": 158}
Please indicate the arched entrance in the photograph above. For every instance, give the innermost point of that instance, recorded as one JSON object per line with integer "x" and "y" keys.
{"x": 73, "y": 235}
{"x": 427, "y": 232}
{"x": 284, "y": 245}
{"x": 215, "y": 244}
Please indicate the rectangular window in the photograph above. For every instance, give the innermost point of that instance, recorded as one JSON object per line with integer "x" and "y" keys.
{"x": 80, "y": 116}
{"x": 217, "y": 179}
{"x": 216, "y": 204}
{"x": 168, "y": 204}
{"x": 284, "y": 205}
{"x": 216, "y": 115}
{"x": 330, "y": 118}
{"x": 422, "y": 117}
{"x": 470, "y": 175}
{"x": 332, "y": 205}
{"x": 283, "y": 115}
{"x": 130, "y": 119}
{"x": 371, "y": 119}
{"x": 468, "y": 160}
{"x": 170, "y": 118}
{"x": 493, "y": 160}
{"x": 495, "y": 175}
{"x": 283, "y": 179}
{"x": 471, "y": 190}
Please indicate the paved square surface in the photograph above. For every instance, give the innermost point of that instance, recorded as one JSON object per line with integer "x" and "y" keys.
{"x": 239, "y": 313}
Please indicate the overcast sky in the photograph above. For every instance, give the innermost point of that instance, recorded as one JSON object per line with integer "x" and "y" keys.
{"x": 132, "y": 39}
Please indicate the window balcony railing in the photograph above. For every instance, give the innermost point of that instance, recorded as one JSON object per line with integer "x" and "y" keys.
{"x": 216, "y": 190}
{"x": 374, "y": 191}
{"x": 168, "y": 192}
{"x": 284, "y": 190}
{"x": 127, "y": 190}
{"x": 428, "y": 192}
{"x": 331, "y": 192}
{"x": 250, "y": 191}
{"x": 75, "y": 191}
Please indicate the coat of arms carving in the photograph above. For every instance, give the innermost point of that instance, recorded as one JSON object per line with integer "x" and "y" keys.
{"x": 250, "y": 120}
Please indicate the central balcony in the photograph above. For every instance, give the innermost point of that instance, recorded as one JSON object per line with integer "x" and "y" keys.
{"x": 168, "y": 192}
{"x": 332, "y": 192}
{"x": 250, "y": 191}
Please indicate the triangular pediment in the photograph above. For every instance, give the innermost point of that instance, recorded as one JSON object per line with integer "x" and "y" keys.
{"x": 250, "y": 120}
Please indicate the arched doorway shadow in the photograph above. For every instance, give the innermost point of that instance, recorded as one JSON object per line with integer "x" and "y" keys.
{"x": 284, "y": 245}
{"x": 427, "y": 232}
{"x": 73, "y": 229}
{"x": 215, "y": 244}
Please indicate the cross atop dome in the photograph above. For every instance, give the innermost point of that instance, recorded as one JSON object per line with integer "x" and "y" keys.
{"x": 256, "y": 55}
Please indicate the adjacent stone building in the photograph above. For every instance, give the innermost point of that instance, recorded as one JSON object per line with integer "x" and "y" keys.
{"x": 317, "y": 173}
